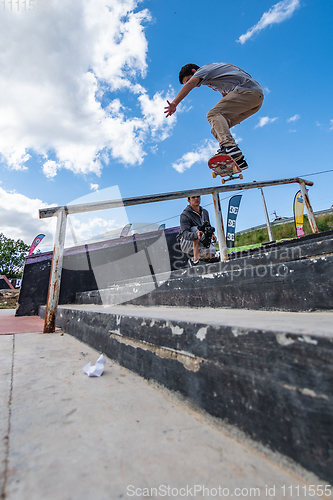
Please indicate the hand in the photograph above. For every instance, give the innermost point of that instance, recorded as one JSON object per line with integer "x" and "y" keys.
{"x": 170, "y": 109}
{"x": 214, "y": 238}
{"x": 199, "y": 234}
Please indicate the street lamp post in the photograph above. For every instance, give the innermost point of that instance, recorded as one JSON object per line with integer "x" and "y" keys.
{"x": 266, "y": 215}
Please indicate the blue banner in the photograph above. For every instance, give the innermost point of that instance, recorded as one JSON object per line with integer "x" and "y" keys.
{"x": 233, "y": 209}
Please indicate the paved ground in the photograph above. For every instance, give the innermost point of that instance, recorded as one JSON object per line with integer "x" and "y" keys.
{"x": 65, "y": 436}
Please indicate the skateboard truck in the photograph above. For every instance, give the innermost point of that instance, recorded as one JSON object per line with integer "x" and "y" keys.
{"x": 231, "y": 176}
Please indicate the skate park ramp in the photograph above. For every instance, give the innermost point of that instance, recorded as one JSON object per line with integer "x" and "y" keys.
{"x": 249, "y": 341}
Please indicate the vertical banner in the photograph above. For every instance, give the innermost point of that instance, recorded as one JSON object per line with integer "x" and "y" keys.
{"x": 36, "y": 242}
{"x": 298, "y": 213}
{"x": 125, "y": 231}
{"x": 234, "y": 203}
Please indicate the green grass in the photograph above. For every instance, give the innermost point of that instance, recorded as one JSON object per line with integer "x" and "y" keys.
{"x": 243, "y": 248}
{"x": 285, "y": 231}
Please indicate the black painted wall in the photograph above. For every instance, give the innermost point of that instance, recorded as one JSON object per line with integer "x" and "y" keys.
{"x": 80, "y": 265}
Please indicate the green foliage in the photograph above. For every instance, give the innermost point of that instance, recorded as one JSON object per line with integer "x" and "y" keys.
{"x": 12, "y": 256}
{"x": 260, "y": 237}
{"x": 323, "y": 225}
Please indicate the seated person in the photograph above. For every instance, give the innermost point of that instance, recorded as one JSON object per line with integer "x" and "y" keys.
{"x": 192, "y": 217}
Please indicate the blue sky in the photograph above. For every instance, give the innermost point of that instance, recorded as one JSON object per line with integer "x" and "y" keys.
{"x": 84, "y": 83}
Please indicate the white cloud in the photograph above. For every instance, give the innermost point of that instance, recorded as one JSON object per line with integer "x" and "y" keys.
{"x": 153, "y": 113}
{"x": 88, "y": 226}
{"x": 94, "y": 187}
{"x": 279, "y": 12}
{"x": 324, "y": 126}
{"x": 54, "y": 73}
{"x": 83, "y": 228}
{"x": 201, "y": 154}
{"x": 50, "y": 168}
{"x": 19, "y": 218}
{"x": 237, "y": 139}
{"x": 265, "y": 120}
{"x": 293, "y": 118}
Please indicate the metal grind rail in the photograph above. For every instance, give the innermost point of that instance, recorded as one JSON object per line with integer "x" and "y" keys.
{"x": 62, "y": 212}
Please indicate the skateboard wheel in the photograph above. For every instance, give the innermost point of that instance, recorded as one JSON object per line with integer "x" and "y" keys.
{"x": 223, "y": 181}
{"x": 241, "y": 176}
{"x": 214, "y": 175}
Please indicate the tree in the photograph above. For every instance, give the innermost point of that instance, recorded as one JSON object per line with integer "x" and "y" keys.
{"x": 12, "y": 256}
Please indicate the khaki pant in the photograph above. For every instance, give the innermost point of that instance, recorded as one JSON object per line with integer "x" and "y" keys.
{"x": 187, "y": 246}
{"x": 231, "y": 110}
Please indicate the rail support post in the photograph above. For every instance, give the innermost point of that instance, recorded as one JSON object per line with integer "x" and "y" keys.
{"x": 55, "y": 276}
{"x": 269, "y": 229}
{"x": 312, "y": 220}
{"x": 219, "y": 227}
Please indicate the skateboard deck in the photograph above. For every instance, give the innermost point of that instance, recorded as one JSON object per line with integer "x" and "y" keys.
{"x": 224, "y": 166}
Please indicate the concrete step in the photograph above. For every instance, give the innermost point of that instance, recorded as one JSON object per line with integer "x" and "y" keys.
{"x": 294, "y": 275}
{"x": 299, "y": 284}
{"x": 269, "y": 373}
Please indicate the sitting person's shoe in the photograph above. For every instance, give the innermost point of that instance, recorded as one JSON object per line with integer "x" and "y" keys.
{"x": 212, "y": 260}
{"x": 232, "y": 151}
{"x": 242, "y": 163}
{"x": 191, "y": 262}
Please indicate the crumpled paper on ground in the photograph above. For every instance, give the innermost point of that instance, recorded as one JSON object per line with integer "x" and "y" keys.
{"x": 97, "y": 369}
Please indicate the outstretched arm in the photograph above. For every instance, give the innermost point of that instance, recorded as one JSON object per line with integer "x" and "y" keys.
{"x": 188, "y": 86}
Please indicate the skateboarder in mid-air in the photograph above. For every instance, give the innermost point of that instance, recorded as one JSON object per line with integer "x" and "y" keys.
{"x": 242, "y": 97}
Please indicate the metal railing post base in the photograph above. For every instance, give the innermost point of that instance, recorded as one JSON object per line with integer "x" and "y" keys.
{"x": 55, "y": 275}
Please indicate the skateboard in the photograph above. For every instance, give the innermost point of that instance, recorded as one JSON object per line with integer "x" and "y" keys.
{"x": 224, "y": 166}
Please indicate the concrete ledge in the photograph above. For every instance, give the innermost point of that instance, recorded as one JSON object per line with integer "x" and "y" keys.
{"x": 296, "y": 285}
{"x": 271, "y": 374}
{"x": 294, "y": 275}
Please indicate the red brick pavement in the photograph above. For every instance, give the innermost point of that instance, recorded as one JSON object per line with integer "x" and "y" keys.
{"x": 10, "y": 324}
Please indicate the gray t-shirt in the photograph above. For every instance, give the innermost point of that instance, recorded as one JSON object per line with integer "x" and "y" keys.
{"x": 225, "y": 77}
